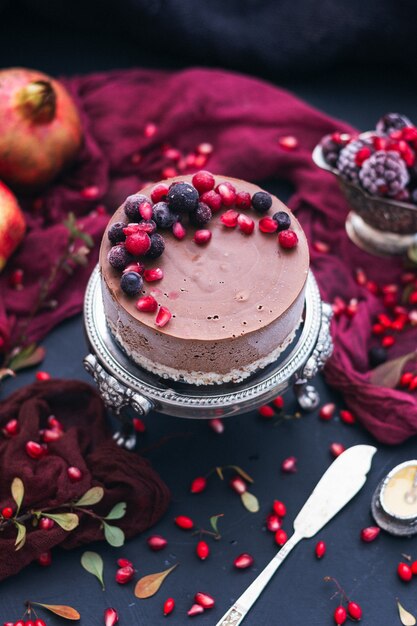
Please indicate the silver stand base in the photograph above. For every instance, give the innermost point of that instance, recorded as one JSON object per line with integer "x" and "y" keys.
{"x": 381, "y": 243}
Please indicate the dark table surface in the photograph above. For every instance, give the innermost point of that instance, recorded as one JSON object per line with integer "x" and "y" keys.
{"x": 297, "y": 596}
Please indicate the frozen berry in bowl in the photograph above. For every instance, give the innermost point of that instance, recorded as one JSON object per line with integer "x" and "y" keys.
{"x": 119, "y": 257}
{"x": 182, "y": 198}
{"x": 201, "y": 215}
{"x": 115, "y": 232}
{"x": 384, "y": 174}
{"x": 163, "y": 216}
{"x": 157, "y": 246}
{"x": 282, "y": 219}
{"x": 392, "y": 121}
{"x": 261, "y": 201}
{"x": 347, "y": 163}
{"x": 131, "y": 283}
{"x": 131, "y": 206}
{"x": 331, "y": 146}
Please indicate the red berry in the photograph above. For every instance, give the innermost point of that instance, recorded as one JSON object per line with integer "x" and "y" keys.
{"x": 327, "y": 411}
{"x": 336, "y": 449}
{"x": 340, "y": 615}
{"x": 347, "y": 417}
{"x": 370, "y": 534}
{"x": 21, "y": 622}
{"x": 273, "y": 523}
{"x": 184, "y": 522}
{"x": 147, "y": 304}
{"x": 178, "y": 231}
{"x": 281, "y": 537}
{"x": 360, "y": 277}
{"x": 30, "y": 622}
{"x": 16, "y": 279}
{"x": 404, "y": 572}
{"x": 212, "y": 199}
{"x": 9, "y": 624}
{"x": 227, "y": 192}
{"x": 163, "y": 317}
{"x": 40, "y": 622}
{"x": 289, "y": 465}
{"x": 378, "y": 329}
{"x": 246, "y": 224}
{"x": 202, "y": 550}
{"x": 229, "y": 218}
{"x": 238, "y": 484}
{"x": 159, "y": 192}
{"x": 42, "y": 376}
{"x": 243, "y": 200}
{"x": 217, "y": 425}
{"x": 388, "y": 341}
{"x": 124, "y": 563}
{"x": 125, "y": 575}
{"x": 34, "y": 450}
{"x": 278, "y": 402}
{"x": 384, "y": 320}
{"x": 279, "y": 508}
{"x": 198, "y": 485}
{"x": 145, "y": 210}
{"x": 352, "y": 308}
{"x": 320, "y": 549}
{"x": 203, "y": 181}
{"x": 7, "y": 512}
{"x": 202, "y": 236}
{"x": 169, "y": 172}
{"x": 266, "y": 411}
{"x": 267, "y": 225}
{"x": 406, "y": 379}
{"x": 45, "y": 559}
{"x": 287, "y": 239}
{"x": 338, "y": 307}
{"x": 138, "y": 243}
{"x": 74, "y": 474}
{"x": 54, "y": 423}
{"x": 50, "y": 434}
{"x": 150, "y": 129}
{"x": 90, "y": 193}
{"x": 414, "y": 568}
{"x": 354, "y": 610}
{"x": 243, "y": 561}
{"x": 154, "y": 274}
{"x": 322, "y": 247}
{"x": 200, "y": 160}
{"x": 169, "y": 606}
{"x": 204, "y": 148}
{"x": 172, "y": 154}
{"x": 111, "y": 617}
{"x": 196, "y": 609}
{"x": 288, "y": 143}
{"x": 11, "y": 428}
{"x": 204, "y": 600}
{"x": 156, "y": 542}
{"x": 139, "y": 425}
{"x": 46, "y": 524}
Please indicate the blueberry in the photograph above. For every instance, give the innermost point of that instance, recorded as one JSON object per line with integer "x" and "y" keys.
{"x": 261, "y": 201}
{"x": 163, "y": 216}
{"x": 392, "y": 121}
{"x": 119, "y": 257}
{"x": 201, "y": 215}
{"x": 115, "y": 232}
{"x": 131, "y": 283}
{"x": 157, "y": 246}
{"x": 377, "y": 356}
{"x": 132, "y": 204}
{"x": 282, "y": 219}
{"x": 182, "y": 197}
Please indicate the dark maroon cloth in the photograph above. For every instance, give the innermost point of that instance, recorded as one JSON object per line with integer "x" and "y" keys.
{"x": 243, "y": 118}
{"x": 85, "y": 444}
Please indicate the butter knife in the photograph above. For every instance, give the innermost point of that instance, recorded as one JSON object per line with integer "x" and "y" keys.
{"x": 341, "y": 481}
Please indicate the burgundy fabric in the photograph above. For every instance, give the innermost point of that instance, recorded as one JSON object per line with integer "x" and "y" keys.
{"x": 85, "y": 444}
{"x": 243, "y": 118}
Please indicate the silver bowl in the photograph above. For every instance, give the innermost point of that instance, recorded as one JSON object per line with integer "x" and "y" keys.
{"x": 378, "y": 225}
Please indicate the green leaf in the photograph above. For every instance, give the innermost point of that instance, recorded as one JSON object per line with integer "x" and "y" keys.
{"x": 18, "y": 492}
{"x": 242, "y": 473}
{"x": 118, "y": 511}
{"x": 67, "y": 521}
{"x": 214, "y": 520}
{"x": 389, "y": 373}
{"x": 27, "y": 357}
{"x": 93, "y": 563}
{"x": 92, "y": 496}
{"x": 21, "y": 536}
{"x": 114, "y": 535}
{"x": 250, "y": 502}
{"x": 88, "y": 240}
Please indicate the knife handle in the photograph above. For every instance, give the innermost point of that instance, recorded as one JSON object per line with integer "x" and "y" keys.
{"x": 237, "y": 613}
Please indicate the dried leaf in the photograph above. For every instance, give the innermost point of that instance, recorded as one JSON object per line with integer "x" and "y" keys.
{"x": 114, "y": 535}
{"x": 18, "y": 492}
{"x": 5, "y": 372}
{"x": 27, "y": 357}
{"x": 214, "y": 520}
{"x": 242, "y": 473}
{"x": 407, "y": 291}
{"x": 92, "y": 496}
{"x": 405, "y": 617}
{"x": 149, "y": 585}
{"x": 67, "y": 521}
{"x": 93, "y": 563}
{"x": 60, "y": 609}
{"x": 250, "y": 502}
{"x": 412, "y": 254}
{"x": 219, "y": 471}
{"x": 118, "y": 511}
{"x": 21, "y": 536}
{"x": 389, "y": 373}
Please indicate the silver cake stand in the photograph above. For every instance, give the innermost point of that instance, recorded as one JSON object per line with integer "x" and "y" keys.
{"x": 128, "y": 390}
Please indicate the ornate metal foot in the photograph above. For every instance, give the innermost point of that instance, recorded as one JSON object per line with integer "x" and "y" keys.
{"x": 307, "y": 396}
{"x": 126, "y": 436}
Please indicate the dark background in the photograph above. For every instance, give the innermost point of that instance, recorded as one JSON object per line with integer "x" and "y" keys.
{"x": 355, "y": 61}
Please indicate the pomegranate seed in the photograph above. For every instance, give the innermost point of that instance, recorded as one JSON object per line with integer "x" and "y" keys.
{"x": 124, "y": 563}
{"x": 354, "y": 610}
{"x": 412, "y": 318}
{"x": 289, "y": 465}
{"x": 202, "y": 236}
{"x": 217, "y": 425}
{"x": 159, "y": 192}
{"x": 390, "y": 288}
{"x": 54, "y": 423}
{"x": 212, "y": 199}
{"x": 227, "y": 193}
{"x": 413, "y": 384}
{"x": 196, "y": 609}
{"x": 362, "y": 155}
{"x": 352, "y": 308}
{"x": 169, "y": 172}
{"x": 154, "y": 274}
{"x": 12, "y": 428}
{"x": 139, "y": 425}
{"x": 266, "y": 411}
{"x": 198, "y": 485}
{"x": 229, "y": 218}
{"x": 327, "y": 411}
{"x": 388, "y": 341}
{"x": 408, "y": 277}
{"x": 178, "y": 231}
{"x": 320, "y": 549}
{"x": 125, "y": 575}
{"x": 378, "y": 329}
{"x": 336, "y": 449}
{"x": 204, "y": 148}
{"x": 347, "y": 417}
{"x": 138, "y": 243}
{"x": 246, "y": 224}
{"x": 321, "y": 246}
{"x": 243, "y": 200}
{"x": 340, "y": 615}
{"x": 46, "y": 524}
{"x": 243, "y": 561}
{"x": 145, "y": 210}
{"x": 203, "y": 181}
{"x": 169, "y": 606}
{"x": 204, "y": 600}
{"x": 163, "y": 317}
{"x": 273, "y": 523}
{"x": 279, "y": 508}
{"x": 184, "y": 522}
{"x": 74, "y": 474}
{"x": 150, "y": 130}
{"x": 156, "y": 542}
{"x": 390, "y": 300}
{"x": 281, "y": 537}
{"x": 110, "y": 617}
{"x": 200, "y": 161}
{"x": 406, "y": 379}
{"x": 202, "y": 550}
{"x": 238, "y": 484}
{"x": 288, "y": 143}
{"x": 360, "y": 277}
{"x": 267, "y": 225}
{"x": 278, "y": 402}
{"x": 147, "y": 304}
{"x": 90, "y": 193}
{"x": 380, "y": 143}
{"x": 338, "y": 307}
{"x": 172, "y": 154}
{"x": 404, "y": 572}
{"x": 136, "y": 267}
{"x": 370, "y": 534}
{"x": 413, "y": 298}
{"x": 45, "y": 559}
{"x": 34, "y": 450}
{"x": 414, "y": 568}
{"x": 398, "y": 324}
{"x": 42, "y": 376}
{"x": 16, "y": 279}
{"x": 7, "y": 512}
{"x": 190, "y": 160}
{"x": 384, "y": 320}
{"x": 287, "y": 239}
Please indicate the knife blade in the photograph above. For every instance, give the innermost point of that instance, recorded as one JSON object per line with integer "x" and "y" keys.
{"x": 338, "y": 485}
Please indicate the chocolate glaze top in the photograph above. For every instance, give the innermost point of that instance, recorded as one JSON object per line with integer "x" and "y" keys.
{"x": 234, "y": 285}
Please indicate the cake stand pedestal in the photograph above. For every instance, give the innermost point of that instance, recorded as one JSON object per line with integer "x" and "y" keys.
{"x": 128, "y": 390}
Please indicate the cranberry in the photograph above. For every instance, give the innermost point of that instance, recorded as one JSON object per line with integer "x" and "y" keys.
{"x": 406, "y": 379}
{"x": 163, "y": 317}
{"x": 327, "y": 411}
{"x": 229, "y": 218}
{"x": 246, "y": 224}
{"x": 336, "y": 449}
{"x": 289, "y": 465}
{"x": 111, "y": 617}
{"x": 243, "y": 200}
{"x": 202, "y": 550}
{"x": 45, "y": 559}
{"x": 267, "y": 225}
{"x": 414, "y": 568}
{"x": 354, "y": 610}
{"x": 281, "y": 537}
{"x": 184, "y": 522}
{"x": 238, "y": 484}
{"x": 204, "y": 600}
{"x": 202, "y": 236}
{"x": 279, "y": 508}
{"x": 212, "y": 199}
{"x": 196, "y": 609}
{"x": 42, "y": 376}
{"x": 287, "y": 239}
{"x": 125, "y": 575}
{"x": 203, "y": 181}
{"x": 404, "y": 571}
{"x": 227, "y": 192}
{"x": 278, "y": 402}
{"x": 388, "y": 341}
{"x": 340, "y": 615}
{"x": 320, "y": 549}
{"x": 159, "y": 192}
{"x": 243, "y": 561}
{"x": 156, "y": 542}
{"x": 169, "y": 606}
{"x": 198, "y": 485}
{"x": 74, "y": 474}
{"x": 288, "y": 143}
{"x": 147, "y": 304}
{"x": 7, "y": 512}
{"x": 370, "y": 534}
{"x": 266, "y": 411}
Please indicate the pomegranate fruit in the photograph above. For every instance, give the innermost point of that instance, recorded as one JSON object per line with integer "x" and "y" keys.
{"x": 40, "y": 129}
{"x": 12, "y": 224}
